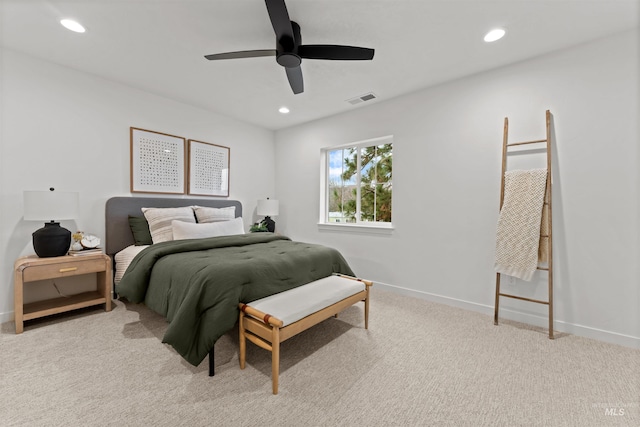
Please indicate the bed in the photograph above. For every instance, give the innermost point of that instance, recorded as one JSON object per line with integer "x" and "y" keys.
{"x": 197, "y": 283}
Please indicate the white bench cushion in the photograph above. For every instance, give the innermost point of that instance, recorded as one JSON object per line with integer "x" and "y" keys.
{"x": 297, "y": 303}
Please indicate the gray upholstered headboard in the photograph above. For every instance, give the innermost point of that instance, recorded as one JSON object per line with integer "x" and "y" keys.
{"x": 118, "y": 209}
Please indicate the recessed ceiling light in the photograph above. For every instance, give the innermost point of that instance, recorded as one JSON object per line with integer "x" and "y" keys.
{"x": 495, "y": 34}
{"x": 72, "y": 25}
{"x": 284, "y": 110}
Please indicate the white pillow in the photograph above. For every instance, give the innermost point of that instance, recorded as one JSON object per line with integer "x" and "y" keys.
{"x": 124, "y": 258}
{"x": 159, "y": 220}
{"x": 183, "y": 230}
{"x": 214, "y": 214}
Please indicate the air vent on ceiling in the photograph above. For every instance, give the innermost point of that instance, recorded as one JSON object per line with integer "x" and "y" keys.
{"x": 362, "y": 98}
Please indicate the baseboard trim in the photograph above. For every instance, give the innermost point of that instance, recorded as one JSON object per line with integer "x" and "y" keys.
{"x": 6, "y": 317}
{"x": 528, "y": 318}
{"x": 516, "y": 316}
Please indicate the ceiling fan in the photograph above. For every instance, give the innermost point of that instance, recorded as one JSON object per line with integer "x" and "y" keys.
{"x": 290, "y": 51}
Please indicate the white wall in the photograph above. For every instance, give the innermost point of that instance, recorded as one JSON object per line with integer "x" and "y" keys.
{"x": 70, "y": 130}
{"x": 447, "y": 157}
{"x": 447, "y": 154}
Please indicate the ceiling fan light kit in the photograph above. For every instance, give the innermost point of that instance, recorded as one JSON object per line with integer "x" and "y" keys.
{"x": 290, "y": 51}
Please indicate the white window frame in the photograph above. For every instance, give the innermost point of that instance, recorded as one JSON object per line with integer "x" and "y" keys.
{"x": 358, "y": 226}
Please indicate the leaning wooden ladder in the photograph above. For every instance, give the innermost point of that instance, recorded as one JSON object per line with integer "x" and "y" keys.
{"x": 547, "y": 205}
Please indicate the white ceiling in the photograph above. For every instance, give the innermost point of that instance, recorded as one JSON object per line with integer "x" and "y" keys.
{"x": 158, "y": 45}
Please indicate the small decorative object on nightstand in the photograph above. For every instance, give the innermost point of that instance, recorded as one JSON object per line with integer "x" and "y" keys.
{"x": 268, "y": 208}
{"x": 89, "y": 241}
{"x": 77, "y": 237}
{"x": 258, "y": 227}
{"x": 32, "y": 268}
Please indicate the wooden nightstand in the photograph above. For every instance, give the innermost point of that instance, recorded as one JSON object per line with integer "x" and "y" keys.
{"x": 32, "y": 268}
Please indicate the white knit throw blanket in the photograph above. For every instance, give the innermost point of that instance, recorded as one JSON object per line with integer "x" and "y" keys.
{"x": 518, "y": 233}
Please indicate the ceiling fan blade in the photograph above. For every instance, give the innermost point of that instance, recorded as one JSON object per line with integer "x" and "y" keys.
{"x": 279, "y": 18}
{"x": 295, "y": 79}
{"x": 336, "y": 52}
{"x": 242, "y": 54}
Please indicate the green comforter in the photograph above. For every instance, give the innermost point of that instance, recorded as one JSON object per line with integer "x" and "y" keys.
{"x": 197, "y": 284}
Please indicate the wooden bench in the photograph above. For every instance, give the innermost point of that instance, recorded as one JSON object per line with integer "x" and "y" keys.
{"x": 269, "y": 321}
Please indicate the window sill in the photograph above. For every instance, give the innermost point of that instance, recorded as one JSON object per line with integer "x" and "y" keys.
{"x": 357, "y": 228}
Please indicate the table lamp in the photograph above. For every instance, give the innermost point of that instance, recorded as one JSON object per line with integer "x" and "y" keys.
{"x": 51, "y": 240}
{"x": 268, "y": 208}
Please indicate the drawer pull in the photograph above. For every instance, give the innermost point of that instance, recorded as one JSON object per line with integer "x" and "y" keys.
{"x": 65, "y": 270}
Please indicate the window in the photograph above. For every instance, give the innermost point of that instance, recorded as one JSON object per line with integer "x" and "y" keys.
{"x": 358, "y": 185}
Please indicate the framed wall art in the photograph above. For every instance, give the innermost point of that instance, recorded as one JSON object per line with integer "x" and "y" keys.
{"x": 208, "y": 169}
{"x": 157, "y": 162}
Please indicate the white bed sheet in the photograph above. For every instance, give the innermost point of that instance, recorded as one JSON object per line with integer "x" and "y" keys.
{"x": 124, "y": 258}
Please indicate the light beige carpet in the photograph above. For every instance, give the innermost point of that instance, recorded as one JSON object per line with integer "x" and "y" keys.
{"x": 419, "y": 364}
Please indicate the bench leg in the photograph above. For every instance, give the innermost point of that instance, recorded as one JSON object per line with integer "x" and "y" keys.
{"x": 366, "y": 310}
{"x": 275, "y": 358}
{"x": 243, "y": 342}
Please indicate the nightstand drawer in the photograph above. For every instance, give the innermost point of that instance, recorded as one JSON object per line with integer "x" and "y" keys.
{"x": 62, "y": 269}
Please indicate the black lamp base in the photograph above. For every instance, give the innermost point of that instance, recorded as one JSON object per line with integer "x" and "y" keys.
{"x": 51, "y": 240}
{"x": 271, "y": 224}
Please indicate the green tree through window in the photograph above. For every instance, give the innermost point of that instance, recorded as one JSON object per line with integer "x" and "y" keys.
{"x": 360, "y": 177}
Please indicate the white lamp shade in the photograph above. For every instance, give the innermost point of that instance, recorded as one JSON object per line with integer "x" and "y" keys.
{"x": 268, "y": 207}
{"x": 50, "y": 205}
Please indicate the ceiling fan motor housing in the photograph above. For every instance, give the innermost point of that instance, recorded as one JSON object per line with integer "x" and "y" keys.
{"x": 287, "y": 48}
